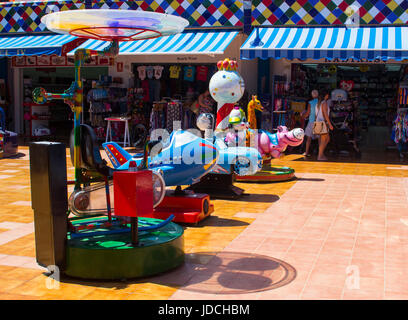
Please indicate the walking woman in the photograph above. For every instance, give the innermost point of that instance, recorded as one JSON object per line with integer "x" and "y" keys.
{"x": 311, "y": 113}
{"x": 322, "y": 115}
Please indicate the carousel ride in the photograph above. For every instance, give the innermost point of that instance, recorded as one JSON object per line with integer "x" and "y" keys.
{"x": 270, "y": 145}
{"x": 227, "y": 88}
{"x": 245, "y": 152}
{"x": 121, "y": 241}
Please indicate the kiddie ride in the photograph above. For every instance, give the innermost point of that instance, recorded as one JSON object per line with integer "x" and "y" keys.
{"x": 230, "y": 162}
{"x": 180, "y": 160}
{"x": 102, "y": 243}
{"x": 8, "y": 139}
{"x": 226, "y": 87}
{"x": 270, "y": 145}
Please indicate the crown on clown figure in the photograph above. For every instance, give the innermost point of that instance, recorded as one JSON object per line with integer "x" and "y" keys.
{"x": 227, "y": 65}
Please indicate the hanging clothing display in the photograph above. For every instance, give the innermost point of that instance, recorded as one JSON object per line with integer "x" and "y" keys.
{"x": 189, "y": 73}
{"x": 154, "y": 90}
{"x": 175, "y": 72}
{"x": 400, "y": 129}
{"x": 145, "y": 87}
{"x": 158, "y": 116}
{"x": 142, "y": 72}
{"x": 149, "y": 72}
{"x": 190, "y": 119}
{"x": 403, "y": 96}
{"x": 202, "y": 73}
{"x": 174, "y": 113}
{"x": 158, "y": 70}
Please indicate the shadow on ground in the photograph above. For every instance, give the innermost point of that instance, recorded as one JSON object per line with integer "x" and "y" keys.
{"x": 17, "y": 156}
{"x": 215, "y": 221}
{"x": 231, "y": 272}
{"x": 258, "y": 197}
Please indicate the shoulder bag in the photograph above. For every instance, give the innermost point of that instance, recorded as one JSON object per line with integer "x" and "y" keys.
{"x": 320, "y": 127}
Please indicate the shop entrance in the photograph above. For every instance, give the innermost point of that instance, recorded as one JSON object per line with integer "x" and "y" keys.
{"x": 363, "y": 108}
{"x": 168, "y": 93}
{"x": 53, "y": 120}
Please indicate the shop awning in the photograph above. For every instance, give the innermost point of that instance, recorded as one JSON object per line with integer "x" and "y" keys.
{"x": 201, "y": 42}
{"x": 37, "y": 44}
{"x": 343, "y": 43}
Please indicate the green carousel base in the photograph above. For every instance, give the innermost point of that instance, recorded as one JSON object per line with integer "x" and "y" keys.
{"x": 270, "y": 174}
{"x": 112, "y": 256}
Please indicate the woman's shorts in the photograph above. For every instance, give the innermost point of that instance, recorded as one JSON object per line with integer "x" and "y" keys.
{"x": 309, "y": 131}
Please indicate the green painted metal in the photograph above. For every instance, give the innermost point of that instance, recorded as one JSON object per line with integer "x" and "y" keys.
{"x": 111, "y": 257}
{"x": 270, "y": 174}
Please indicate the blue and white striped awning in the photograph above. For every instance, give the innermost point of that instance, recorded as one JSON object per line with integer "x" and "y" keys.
{"x": 343, "y": 43}
{"x": 200, "y": 42}
{"x": 37, "y": 44}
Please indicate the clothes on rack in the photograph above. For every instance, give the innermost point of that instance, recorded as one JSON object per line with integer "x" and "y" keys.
{"x": 164, "y": 114}
{"x": 189, "y": 120}
{"x": 403, "y": 96}
{"x": 142, "y": 72}
{"x": 149, "y": 72}
{"x": 158, "y": 116}
{"x": 189, "y": 73}
{"x": 175, "y": 71}
{"x": 400, "y": 129}
{"x": 202, "y": 73}
{"x": 158, "y": 70}
{"x": 174, "y": 113}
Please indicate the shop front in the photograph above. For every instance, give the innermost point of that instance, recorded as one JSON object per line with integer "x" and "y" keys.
{"x": 33, "y": 60}
{"x": 364, "y": 70}
{"x": 55, "y": 74}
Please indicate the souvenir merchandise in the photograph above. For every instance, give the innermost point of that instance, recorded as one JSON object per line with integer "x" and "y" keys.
{"x": 201, "y": 73}
{"x": 189, "y": 73}
{"x": 142, "y": 72}
{"x": 158, "y": 72}
{"x": 175, "y": 72}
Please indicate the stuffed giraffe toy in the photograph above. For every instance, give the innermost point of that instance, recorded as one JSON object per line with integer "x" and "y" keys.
{"x": 253, "y": 105}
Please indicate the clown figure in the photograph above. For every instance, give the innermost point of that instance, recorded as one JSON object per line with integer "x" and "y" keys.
{"x": 236, "y": 136}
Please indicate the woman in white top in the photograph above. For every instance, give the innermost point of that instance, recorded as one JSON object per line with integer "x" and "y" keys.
{"x": 322, "y": 114}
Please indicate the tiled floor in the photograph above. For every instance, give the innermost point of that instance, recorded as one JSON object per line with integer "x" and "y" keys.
{"x": 340, "y": 231}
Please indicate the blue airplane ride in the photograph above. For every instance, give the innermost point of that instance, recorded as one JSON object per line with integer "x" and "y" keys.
{"x": 183, "y": 159}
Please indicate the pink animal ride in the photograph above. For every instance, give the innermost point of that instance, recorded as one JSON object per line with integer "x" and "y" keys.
{"x": 274, "y": 144}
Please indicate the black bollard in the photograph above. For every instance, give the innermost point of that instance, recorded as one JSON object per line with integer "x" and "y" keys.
{"x": 49, "y": 200}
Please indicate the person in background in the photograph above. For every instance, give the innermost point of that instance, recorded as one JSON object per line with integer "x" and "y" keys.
{"x": 205, "y": 104}
{"x": 322, "y": 114}
{"x": 310, "y": 112}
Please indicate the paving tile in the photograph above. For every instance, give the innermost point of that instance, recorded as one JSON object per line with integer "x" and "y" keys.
{"x": 318, "y": 278}
{"x": 9, "y": 171}
{"x": 322, "y": 226}
{"x": 395, "y": 296}
{"x": 21, "y": 203}
{"x": 368, "y": 267}
{"x": 359, "y": 294}
{"x": 321, "y": 292}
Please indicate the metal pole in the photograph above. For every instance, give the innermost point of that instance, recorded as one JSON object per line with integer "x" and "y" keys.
{"x": 134, "y": 229}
